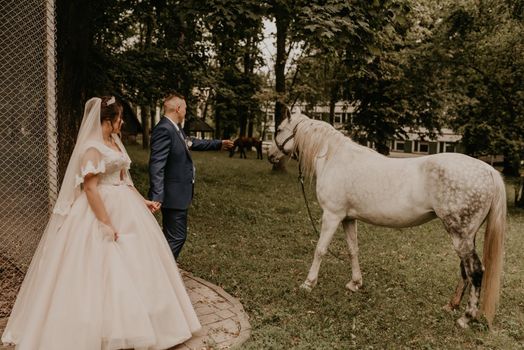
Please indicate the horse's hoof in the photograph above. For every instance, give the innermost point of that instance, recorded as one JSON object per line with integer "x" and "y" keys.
{"x": 306, "y": 287}
{"x": 353, "y": 286}
{"x": 463, "y": 322}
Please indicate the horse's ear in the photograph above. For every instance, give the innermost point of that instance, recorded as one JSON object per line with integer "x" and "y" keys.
{"x": 288, "y": 114}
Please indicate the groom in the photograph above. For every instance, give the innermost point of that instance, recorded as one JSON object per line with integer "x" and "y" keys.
{"x": 171, "y": 170}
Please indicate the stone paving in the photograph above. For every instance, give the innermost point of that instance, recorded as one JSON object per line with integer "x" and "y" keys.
{"x": 224, "y": 321}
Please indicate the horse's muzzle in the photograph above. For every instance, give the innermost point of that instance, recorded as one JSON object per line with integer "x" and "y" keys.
{"x": 272, "y": 159}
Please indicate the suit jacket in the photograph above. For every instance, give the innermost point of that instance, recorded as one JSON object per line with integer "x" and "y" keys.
{"x": 171, "y": 170}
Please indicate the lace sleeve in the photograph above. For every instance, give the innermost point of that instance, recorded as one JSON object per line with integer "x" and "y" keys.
{"x": 92, "y": 163}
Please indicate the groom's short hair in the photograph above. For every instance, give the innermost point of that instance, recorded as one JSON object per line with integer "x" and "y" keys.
{"x": 170, "y": 97}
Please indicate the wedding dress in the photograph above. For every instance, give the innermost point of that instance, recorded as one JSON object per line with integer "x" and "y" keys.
{"x": 85, "y": 291}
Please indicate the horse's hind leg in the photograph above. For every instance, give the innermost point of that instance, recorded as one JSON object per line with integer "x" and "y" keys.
{"x": 462, "y": 285}
{"x": 350, "y": 226}
{"x": 465, "y": 248}
{"x": 462, "y": 225}
{"x": 330, "y": 223}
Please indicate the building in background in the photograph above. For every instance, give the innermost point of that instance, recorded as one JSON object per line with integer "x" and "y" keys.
{"x": 413, "y": 145}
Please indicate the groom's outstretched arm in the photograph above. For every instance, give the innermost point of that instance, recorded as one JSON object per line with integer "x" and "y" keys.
{"x": 206, "y": 145}
{"x": 160, "y": 146}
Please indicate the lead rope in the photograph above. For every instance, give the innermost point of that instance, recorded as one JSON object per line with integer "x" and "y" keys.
{"x": 301, "y": 180}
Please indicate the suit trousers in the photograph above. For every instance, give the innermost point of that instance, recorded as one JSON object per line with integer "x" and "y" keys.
{"x": 174, "y": 225}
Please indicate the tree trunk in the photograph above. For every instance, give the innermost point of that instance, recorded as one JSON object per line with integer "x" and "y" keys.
{"x": 218, "y": 123}
{"x": 250, "y": 129}
{"x": 204, "y": 113}
{"x": 282, "y": 24}
{"x": 246, "y": 122}
{"x": 218, "y": 116}
{"x": 242, "y": 120}
{"x": 145, "y": 113}
{"x": 74, "y": 40}
{"x": 519, "y": 194}
{"x": 382, "y": 148}
{"x": 511, "y": 164}
{"x": 153, "y": 120}
{"x": 332, "y": 103}
{"x": 282, "y": 18}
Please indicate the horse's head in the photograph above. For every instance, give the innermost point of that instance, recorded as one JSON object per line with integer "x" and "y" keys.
{"x": 283, "y": 142}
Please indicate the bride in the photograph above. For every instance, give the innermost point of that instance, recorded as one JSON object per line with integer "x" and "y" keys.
{"x": 103, "y": 275}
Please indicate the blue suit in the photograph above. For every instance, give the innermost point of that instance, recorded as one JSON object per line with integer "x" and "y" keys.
{"x": 172, "y": 177}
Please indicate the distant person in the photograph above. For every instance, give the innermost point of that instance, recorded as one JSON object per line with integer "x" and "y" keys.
{"x": 102, "y": 276}
{"x": 171, "y": 170}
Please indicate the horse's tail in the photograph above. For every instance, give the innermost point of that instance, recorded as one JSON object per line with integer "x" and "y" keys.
{"x": 494, "y": 250}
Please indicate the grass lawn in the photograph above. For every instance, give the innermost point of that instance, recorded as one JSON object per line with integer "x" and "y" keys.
{"x": 249, "y": 233}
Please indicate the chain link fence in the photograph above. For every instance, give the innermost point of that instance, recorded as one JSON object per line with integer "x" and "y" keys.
{"x": 28, "y": 147}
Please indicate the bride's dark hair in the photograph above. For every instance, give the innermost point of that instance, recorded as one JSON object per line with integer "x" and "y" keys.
{"x": 110, "y": 108}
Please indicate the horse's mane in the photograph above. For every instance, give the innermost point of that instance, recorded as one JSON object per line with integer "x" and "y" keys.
{"x": 310, "y": 139}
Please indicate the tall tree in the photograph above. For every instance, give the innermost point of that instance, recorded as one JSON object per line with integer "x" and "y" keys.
{"x": 235, "y": 28}
{"x": 482, "y": 47}
{"x": 77, "y": 60}
{"x": 353, "y": 51}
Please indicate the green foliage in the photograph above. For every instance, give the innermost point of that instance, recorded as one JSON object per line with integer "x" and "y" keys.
{"x": 404, "y": 63}
{"x": 235, "y": 27}
{"x": 418, "y": 64}
{"x": 144, "y": 49}
{"x": 482, "y": 48}
{"x": 362, "y": 51}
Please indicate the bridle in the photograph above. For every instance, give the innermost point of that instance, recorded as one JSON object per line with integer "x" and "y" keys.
{"x": 280, "y": 146}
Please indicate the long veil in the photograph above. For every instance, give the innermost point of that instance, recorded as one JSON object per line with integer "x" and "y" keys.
{"x": 90, "y": 131}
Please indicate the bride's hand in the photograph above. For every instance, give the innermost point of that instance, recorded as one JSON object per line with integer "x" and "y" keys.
{"x": 109, "y": 231}
{"x": 115, "y": 235}
{"x": 152, "y": 206}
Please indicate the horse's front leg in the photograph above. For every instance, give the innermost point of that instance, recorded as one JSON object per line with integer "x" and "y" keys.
{"x": 350, "y": 226}
{"x": 330, "y": 223}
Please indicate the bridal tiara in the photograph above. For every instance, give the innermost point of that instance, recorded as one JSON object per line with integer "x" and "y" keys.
{"x": 110, "y": 101}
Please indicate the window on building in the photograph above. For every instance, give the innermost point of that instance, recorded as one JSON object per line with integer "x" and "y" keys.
{"x": 399, "y": 146}
{"x": 338, "y": 118}
{"x": 447, "y": 147}
{"x": 422, "y": 147}
{"x": 271, "y": 117}
{"x": 269, "y": 136}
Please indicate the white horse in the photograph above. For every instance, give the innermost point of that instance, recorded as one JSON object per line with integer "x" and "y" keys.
{"x": 356, "y": 183}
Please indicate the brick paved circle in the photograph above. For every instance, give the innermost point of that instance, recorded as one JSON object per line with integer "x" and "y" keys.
{"x": 224, "y": 321}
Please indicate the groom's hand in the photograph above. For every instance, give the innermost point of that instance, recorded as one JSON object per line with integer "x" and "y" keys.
{"x": 227, "y": 145}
